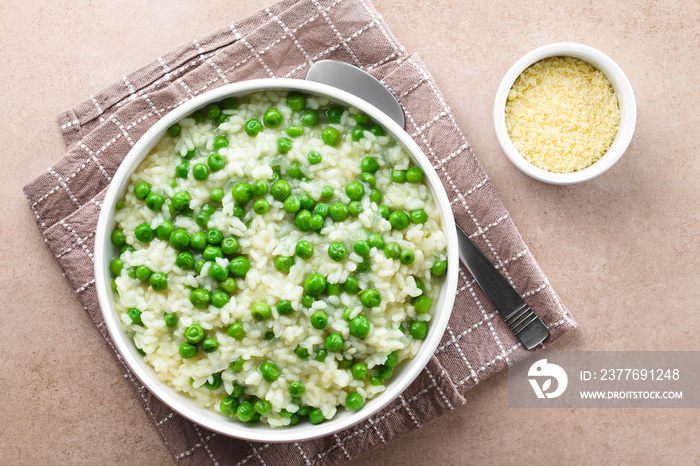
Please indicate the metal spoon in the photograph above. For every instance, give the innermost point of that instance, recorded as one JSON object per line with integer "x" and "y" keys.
{"x": 522, "y": 320}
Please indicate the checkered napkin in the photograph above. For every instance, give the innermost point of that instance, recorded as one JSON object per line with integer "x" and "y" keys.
{"x": 282, "y": 41}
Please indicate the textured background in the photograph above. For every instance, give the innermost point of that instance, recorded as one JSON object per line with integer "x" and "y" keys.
{"x": 622, "y": 250}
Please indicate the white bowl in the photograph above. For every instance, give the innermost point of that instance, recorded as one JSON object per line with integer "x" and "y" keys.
{"x": 625, "y": 97}
{"x": 404, "y": 374}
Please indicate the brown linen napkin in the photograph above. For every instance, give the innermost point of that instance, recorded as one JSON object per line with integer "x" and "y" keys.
{"x": 281, "y": 41}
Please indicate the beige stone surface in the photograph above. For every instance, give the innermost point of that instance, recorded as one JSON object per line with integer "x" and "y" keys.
{"x": 622, "y": 250}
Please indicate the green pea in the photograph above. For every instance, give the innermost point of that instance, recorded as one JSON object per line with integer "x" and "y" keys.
{"x": 228, "y": 406}
{"x": 209, "y": 345}
{"x": 370, "y": 298}
{"x": 229, "y": 245}
{"x": 284, "y": 307}
{"x": 376, "y": 130}
{"x": 307, "y": 202}
{"x": 260, "y": 187}
{"x": 369, "y": 164}
{"x": 262, "y": 407}
{"x": 376, "y": 241}
{"x": 116, "y": 266}
{"x": 337, "y": 251}
{"x": 338, "y": 211}
{"x": 385, "y": 372}
{"x": 214, "y": 236}
{"x": 173, "y": 183}
{"x": 418, "y": 330}
{"x": 301, "y": 352}
{"x": 358, "y": 133}
{"x": 414, "y": 175}
{"x": 333, "y": 289}
{"x": 200, "y": 298}
{"x": 131, "y": 271}
{"x": 261, "y": 206}
{"x": 272, "y": 118}
{"x": 210, "y": 253}
{"x": 422, "y": 304}
{"x": 199, "y": 241}
{"x": 154, "y": 201}
{"x": 359, "y": 327}
{"x": 398, "y": 176}
{"x": 351, "y": 285}
{"x": 302, "y": 220}
{"x": 296, "y": 101}
{"x": 237, "y": 365}
{"x": 407, "y": 256}
{"x": 319, "y": 320}
{"x": 218, "y": 272}
{"x": 280, "y": 190}
{"x": 354, "y": 402}
{"x": 309, "y": 118}
{"x": 213, "y": 111}
{"x": 418, "y": 216}
{"x": 375, "y": 380}
{"x": 284, "y": 145}
{"x": 194, "y": 334}
{"x": 330, "y": 136}
{"x": 361, "y": 247}
{"x": 304, "y": 249}
{"x": 143, "y": 272}
{"x": 327, "y": 192}
{"x": 316, "y": 416}
{"x": 170, "y": 319}
{"x": 181, "y": 200}
{"x": 200, "y": 172}
{"x": 118, "y": 237}
{"x": 355, "y": 208}
{"x": 354, "y": 190}
{"x": 392, "y": 360}
{"x": 202, "y": 219}
{"x": 215, "y": 161}
{"x": 269, "y": 371}
{"x": 399, "y": 220}
{"x": 369, "y": 179}
{"x": 420, "y": 285}
{"x": 439, "y": 268}
{"x": 269, "y": 335}
{"x": 261, "y": 311}
{"x": 236, "y": 330}
{"x": 316, "y": 222}
{"x": 182, "y": 170}
{"x": 392, "y": 250}
{"x": 144, "y": 233}
{"x": 334, "y": 343}
{"x": 238, "y": 211}
{"x": 190, "y": 154}
{"x": 295, "y": 131}
{"x": 141, "y": 190}
{"x": 198, "y": 264}
{"x": 126, "y": 248}
{"x": 284, "y": 263}
{"x": 198, "y": 116}
{"x": 253, "y": 127}
{"x": 375, "y": 196}
{"x": 239, "y": 266}
{"x": 334, "y": 114}
{"x": 174, "y": 131}
{"x": 229, "y": 285}
{"x": 359, "y": 371}
{"x": 294, "y": 170}
{"x": 164, "y": 230}
{"x": 187, "y": 350}
{"x": 307, "y": 300}
{"x": 245, "y": 411}
{"x": 242, "y": 192}
{"x": 321, "y": 355}
{"x": 384, "y": 211}
{"x": 292, "y": 204}
{"x": 296, "y": 389}
{"x": 135, "y": 316}
{"x": 314, "y": 157}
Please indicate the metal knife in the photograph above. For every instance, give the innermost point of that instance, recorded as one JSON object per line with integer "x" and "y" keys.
{"x": 519, "y": 317}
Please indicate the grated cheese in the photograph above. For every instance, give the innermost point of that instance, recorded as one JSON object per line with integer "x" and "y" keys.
{"x": 562, "y": 114}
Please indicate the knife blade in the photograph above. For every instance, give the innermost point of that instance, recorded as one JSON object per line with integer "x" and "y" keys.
{"x": 519, "y": 317}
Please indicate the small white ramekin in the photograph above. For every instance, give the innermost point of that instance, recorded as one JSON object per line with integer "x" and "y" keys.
{"x": 625, "y": 97}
